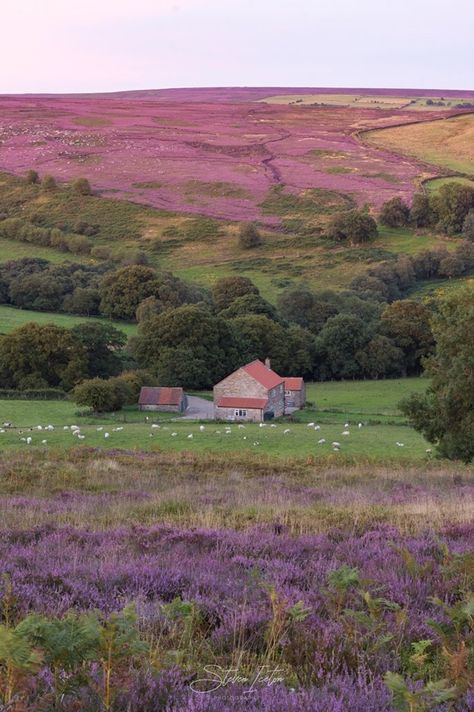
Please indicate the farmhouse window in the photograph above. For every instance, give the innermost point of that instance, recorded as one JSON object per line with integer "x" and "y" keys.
{"x": 240, "y": 413}
{"x": 288, "y": 393}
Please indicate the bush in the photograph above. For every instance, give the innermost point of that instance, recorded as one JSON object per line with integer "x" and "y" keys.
{"x": 249, "y": 236}
{"x": 353, "y": 226}
{"x": 81, "y": 186}
{"x": 79, "y": 245}
{"x": 101, "y": 253}
{"x": 48, "y": 183}
{"x": 394, "y": 213}
{"x": 420, "y": 212}
{"x": 32, "y": 177}
{"x": 103, "y": 395}
{"x": 468, "y": 226}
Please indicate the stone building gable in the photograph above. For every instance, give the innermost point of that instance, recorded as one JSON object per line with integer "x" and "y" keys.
{"x": 241, "y": 384}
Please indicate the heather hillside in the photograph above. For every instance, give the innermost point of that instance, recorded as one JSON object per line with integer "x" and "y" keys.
{"x": 221, "y": 152}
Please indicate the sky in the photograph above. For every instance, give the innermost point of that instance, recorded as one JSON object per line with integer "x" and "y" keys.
{"x": 110, "y": 45}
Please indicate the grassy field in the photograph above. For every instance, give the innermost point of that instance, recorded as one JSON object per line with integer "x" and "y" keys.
{"x": 448, "y": 142}
{"x": 436, "y": 183}
{"x": 373, "y": 404}
{"x": 11, "y": 318}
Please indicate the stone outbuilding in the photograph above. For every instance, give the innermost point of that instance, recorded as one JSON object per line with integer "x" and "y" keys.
{"x": 295, "y": 393}
{"x": 167, "y": 399}
{"x": 253, "y": 392}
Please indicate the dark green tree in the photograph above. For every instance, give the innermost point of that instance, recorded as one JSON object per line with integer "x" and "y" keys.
{"x": 47, "y": 353}
{"x": 187, "y": 346}
{"x": 445, "y": 414}
{"x": 102, "y": 344}
{"x": 228, "y": 289}
{"x": 451, "y": 205}
{"x": 407, "y": 324}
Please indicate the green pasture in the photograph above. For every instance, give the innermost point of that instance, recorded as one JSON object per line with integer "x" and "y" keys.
{"x": 436, "y": 183}
{"x": 11, "y": 318}
{"x": 373, "y": 404}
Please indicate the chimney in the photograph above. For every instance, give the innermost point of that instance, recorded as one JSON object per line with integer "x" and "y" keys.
{"x": 268, "y": 363}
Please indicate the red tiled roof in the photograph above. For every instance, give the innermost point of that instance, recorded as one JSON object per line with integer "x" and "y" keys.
{"x": 293, "y": 383}
{"x": 265, "y": 376}
{"x": 160, "y": 396}
{"x": 249, "y": 403}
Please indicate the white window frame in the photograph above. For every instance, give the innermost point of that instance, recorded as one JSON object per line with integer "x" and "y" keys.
{"x": 240, "y": 413}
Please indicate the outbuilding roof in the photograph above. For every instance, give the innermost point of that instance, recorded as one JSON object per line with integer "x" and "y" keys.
{"x": 160, "y": 396}
{"x": 264, "y": 375}
{"x": 293, "y": 383}
{"x": 246, "y": 403}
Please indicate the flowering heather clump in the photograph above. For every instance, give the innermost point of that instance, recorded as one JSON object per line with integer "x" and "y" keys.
{"x": 213, "y": 152}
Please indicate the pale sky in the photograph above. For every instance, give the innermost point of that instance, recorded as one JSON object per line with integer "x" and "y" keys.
{"x": 110, "y": 45}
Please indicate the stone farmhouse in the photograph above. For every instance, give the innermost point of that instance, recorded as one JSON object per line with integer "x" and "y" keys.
{"x": 254, "y": 392}
{"x": 168, "y": 399}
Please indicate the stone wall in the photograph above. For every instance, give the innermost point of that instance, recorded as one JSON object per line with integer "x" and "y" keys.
{"x": 254, "y": 415}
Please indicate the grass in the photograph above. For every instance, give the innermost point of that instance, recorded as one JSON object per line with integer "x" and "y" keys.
{"x": 12, "y": 318}
{"x": 436, "y": 183}
{"x": 233, "y": 491}
{"x": 203, "y": 249}
{"x": 448, "y": 142}
{"x": 372, "y": 403}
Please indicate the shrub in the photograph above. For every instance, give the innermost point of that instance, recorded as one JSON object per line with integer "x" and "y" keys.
{"x": 32, "y": 176}
{"x": 394, "y": 213}
{"x": 79, "y": 245}
{"x": 468, "y": 226}
{"x": 102, "y": 395}
{"x": 249, "y": 236}
{"x": 353, "y": 226}
{"x": 81, "y": 186}
{"x": 48, "y": 183}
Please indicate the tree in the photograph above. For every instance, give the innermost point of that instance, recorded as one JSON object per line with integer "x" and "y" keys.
{"x": 338, "y": 344}
{"x": 394, "y": 213}
{"x": 123, "y": 290}
{"x": 381, "y": 358}
{"x": 81, "y": 186}
{"x": 421, "y": 214}
{"x": 249, "y": 236}
{"x": 259, "y": 337}
{"x": 353, "y": 226}
{"x": 187, "y": 346}
{"x": 407, "y": 324}
{"x": 45, "y": 352}
{"x": 468, "y": 226}
{"x": 451, "y": 204}
{"x": 249, "y": 304}
{"x": 451, "y": 266}
{"x": 102, "y": 344}
{"x": 227, "y": 289}
{"x": 445, "y": 414}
